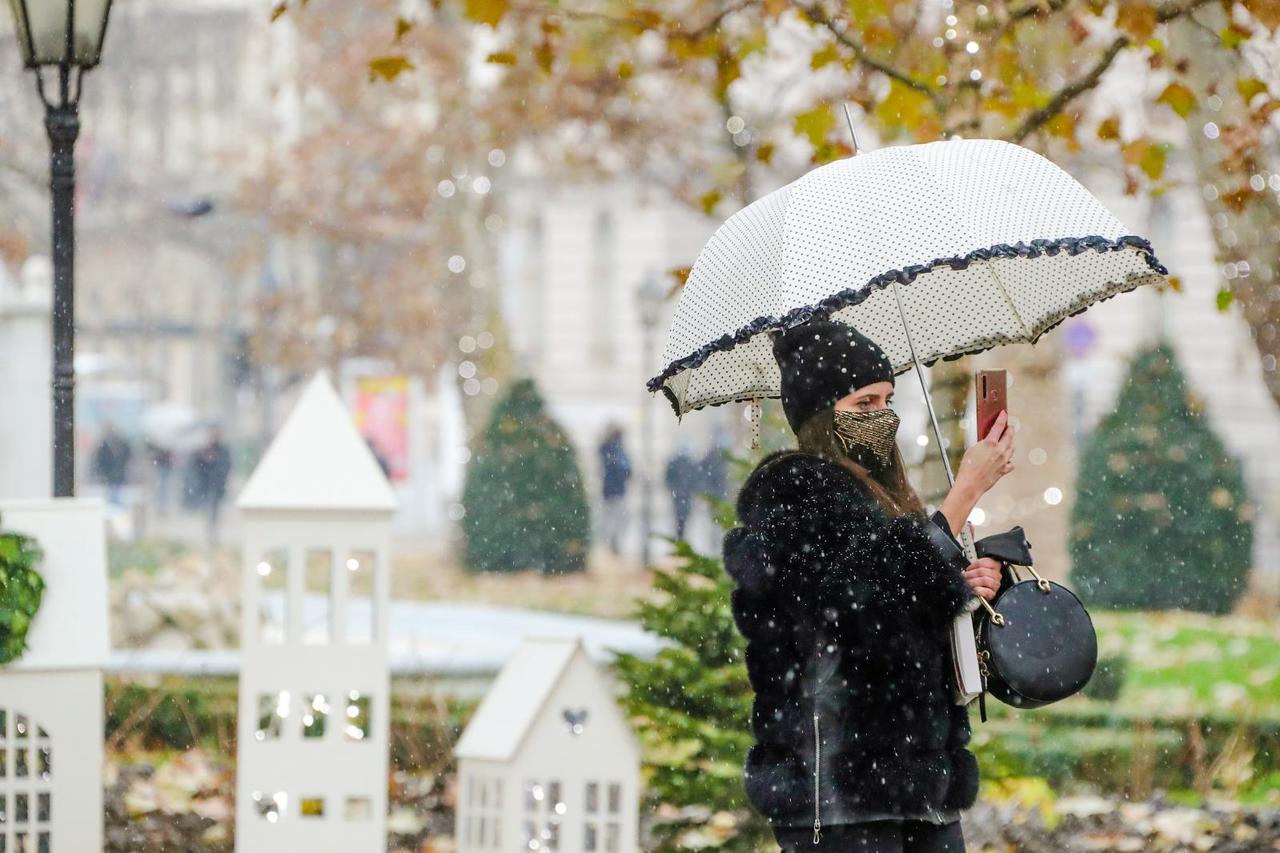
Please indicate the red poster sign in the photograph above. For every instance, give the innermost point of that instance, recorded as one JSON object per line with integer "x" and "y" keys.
{"x": 382, "y": 415}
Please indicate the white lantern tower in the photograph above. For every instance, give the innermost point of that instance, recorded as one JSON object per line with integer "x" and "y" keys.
{"x": 314, "y": 711}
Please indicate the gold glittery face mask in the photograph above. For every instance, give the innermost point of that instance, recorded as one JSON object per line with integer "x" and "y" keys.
{"x": 868, "y": 437}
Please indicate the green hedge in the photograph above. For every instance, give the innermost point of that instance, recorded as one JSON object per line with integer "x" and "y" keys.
{"x": 179, "y": 713}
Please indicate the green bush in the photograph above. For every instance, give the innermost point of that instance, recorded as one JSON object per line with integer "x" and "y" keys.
{"x": 21, "y": 590}
{"x": 179, "y": 713}
{"x": 524, "y": 503}
{"x": 1102, "y": 758}
{"x": 1161, "y": 520}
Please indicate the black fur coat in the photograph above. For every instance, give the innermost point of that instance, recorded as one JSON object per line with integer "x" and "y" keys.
{"x": 847, "y": 618}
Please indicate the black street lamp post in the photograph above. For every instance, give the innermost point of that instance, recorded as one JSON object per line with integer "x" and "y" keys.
{"x": 63, "y": 38}
{"x": 649, "y": 298}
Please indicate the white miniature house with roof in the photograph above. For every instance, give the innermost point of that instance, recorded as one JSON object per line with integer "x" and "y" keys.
{"x": 314, "y": 710}
{"x": 548, "y": 761}
{"x": 51, "y": 697}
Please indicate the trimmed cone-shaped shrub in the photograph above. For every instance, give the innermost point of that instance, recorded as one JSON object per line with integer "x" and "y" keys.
{"x": 1161, "y": 519}
{"x": 523, "y": 500}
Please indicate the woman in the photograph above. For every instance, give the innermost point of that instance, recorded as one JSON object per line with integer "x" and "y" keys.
{"x": 845, "y": 593}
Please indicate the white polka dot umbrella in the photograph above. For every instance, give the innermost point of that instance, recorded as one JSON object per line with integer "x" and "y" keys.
{"x": 985, "y": 243}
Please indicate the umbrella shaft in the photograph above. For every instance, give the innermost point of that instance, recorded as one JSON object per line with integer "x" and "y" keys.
{"x": 965, "y": 539}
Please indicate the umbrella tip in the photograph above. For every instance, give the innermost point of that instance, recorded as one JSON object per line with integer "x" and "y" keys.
{"x": 848, "y": 117}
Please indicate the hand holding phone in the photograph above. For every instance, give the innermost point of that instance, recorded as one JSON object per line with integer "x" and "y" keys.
{"x": 992, "y": 457}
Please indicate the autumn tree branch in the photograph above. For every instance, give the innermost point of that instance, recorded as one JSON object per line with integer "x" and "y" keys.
{"x": 842, "y": 36}
{"x": 1068, "y": 93}
{"x": 1032, "y": 9}
{"x": 670, "y": 28}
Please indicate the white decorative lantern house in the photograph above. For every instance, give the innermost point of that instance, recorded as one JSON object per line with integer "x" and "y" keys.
{"x": 548, "y": 761}
{"x": 51, "y": 697}
{"x": 314, "y": 686}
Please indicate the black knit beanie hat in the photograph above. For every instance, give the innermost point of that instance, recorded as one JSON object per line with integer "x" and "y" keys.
{"x": 821, "y": 362}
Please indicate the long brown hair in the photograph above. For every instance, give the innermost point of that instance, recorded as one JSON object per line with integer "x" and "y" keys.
{"x": 890, "y": 488}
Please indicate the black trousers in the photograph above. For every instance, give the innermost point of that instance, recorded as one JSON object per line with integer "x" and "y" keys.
{"x": 883, "y": 836}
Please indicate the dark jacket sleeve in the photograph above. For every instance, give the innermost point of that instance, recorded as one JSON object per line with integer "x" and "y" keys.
{"x": 941, "y": 535}
{"x": 834, "y": 549}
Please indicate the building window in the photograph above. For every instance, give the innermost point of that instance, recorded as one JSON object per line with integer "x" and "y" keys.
{"x": 273, "y": 597}
{"x": 361, "y": 621}
{"x": 602, "y": 828}
{"x": 544, "y": 809}
{"x": 27, "y": 812}
{"x": 601, "y": 287}
{"x": 537, "y": 289}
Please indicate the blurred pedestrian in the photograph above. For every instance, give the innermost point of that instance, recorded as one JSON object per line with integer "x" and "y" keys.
{"x": 615, "y": 474}
{"x": 111, "y": 462}
{"x": 162, "y": 473}
{"x": 715, "y": 467}
{"x": 684, "y": 479}
{"x": 212, "y": 466}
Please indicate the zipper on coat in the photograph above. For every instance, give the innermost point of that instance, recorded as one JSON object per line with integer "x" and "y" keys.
{"x": 817, "y": 767}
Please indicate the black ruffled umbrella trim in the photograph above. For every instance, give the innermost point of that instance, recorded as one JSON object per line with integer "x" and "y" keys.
{"x": 906, "y": 275}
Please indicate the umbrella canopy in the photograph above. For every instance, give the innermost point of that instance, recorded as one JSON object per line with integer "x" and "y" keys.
{"x": 990, "y": 244}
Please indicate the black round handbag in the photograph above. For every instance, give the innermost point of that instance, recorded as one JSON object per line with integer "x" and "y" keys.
{"x": 1036, "y": 645}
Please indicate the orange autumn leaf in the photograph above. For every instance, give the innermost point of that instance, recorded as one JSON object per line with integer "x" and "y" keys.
{"x": 1146, "y": 155}
{"x": 1267, "y": 12}
{"x": 815, "y": 124}
{"x": 1137, "y": 18}
{"x": 823, "y": 56}
{"x": 1179, "y": 97}
{"x": 1248, "y": 87}
{"x": 879, "y": 35}
{"x": 708, "y": 201}
{"x": 489, "y": 12}
{"x": 388, "y": 67}
{"x": 1237, "y": 199}
{"x": 1062, "y": 125}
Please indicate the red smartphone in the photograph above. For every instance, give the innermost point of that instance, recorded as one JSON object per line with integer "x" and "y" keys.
{"x": 991, "y": 387}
